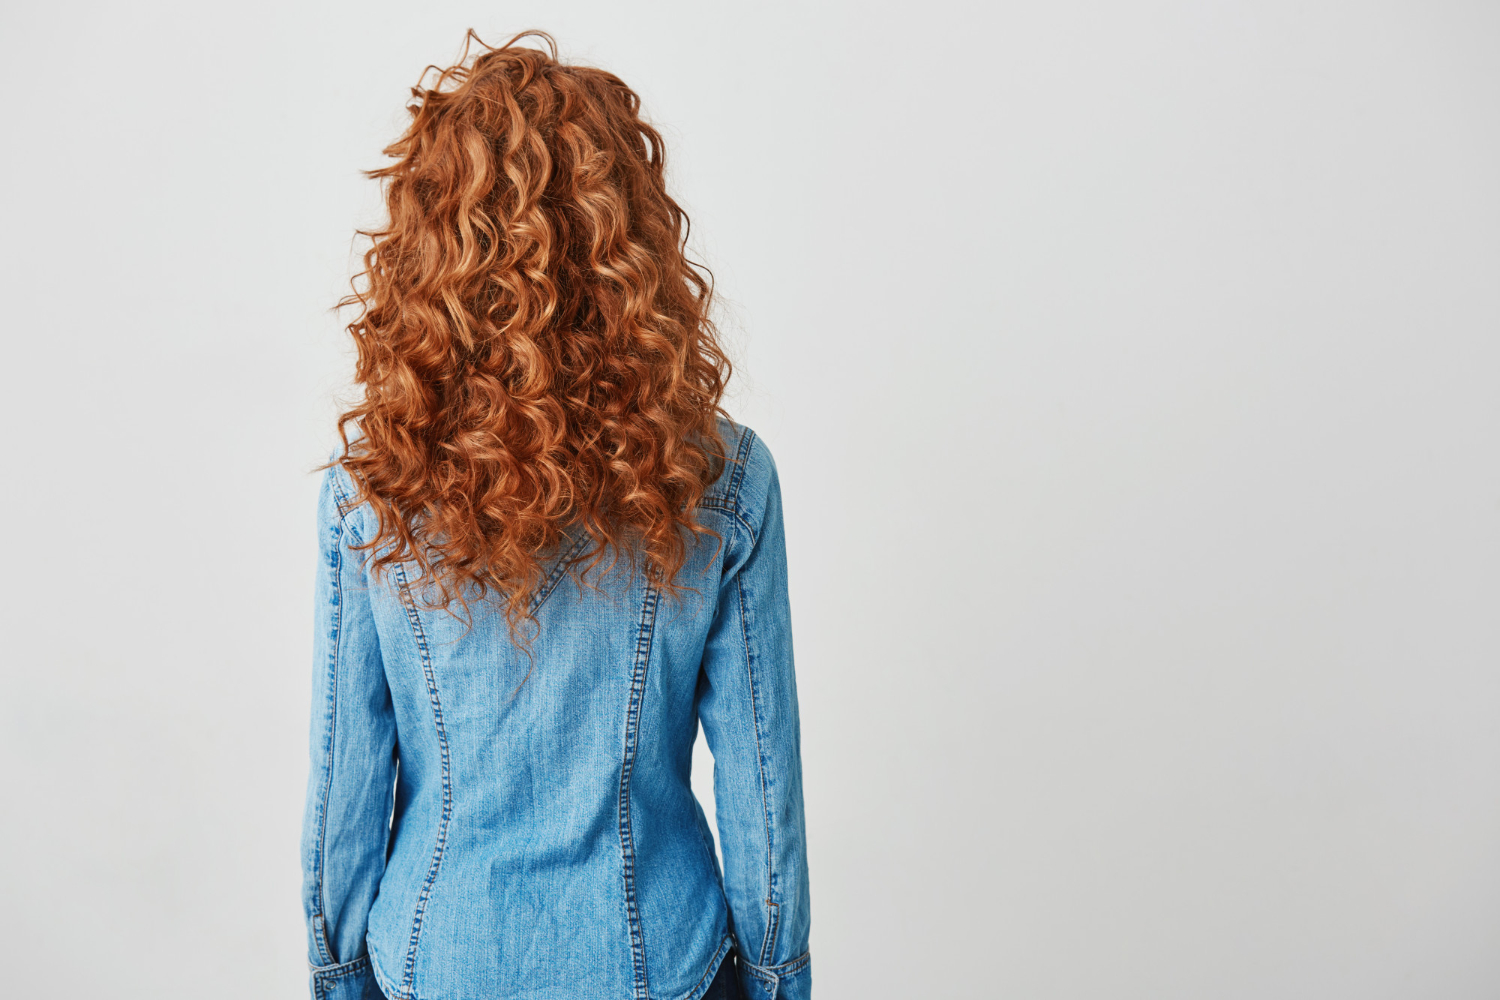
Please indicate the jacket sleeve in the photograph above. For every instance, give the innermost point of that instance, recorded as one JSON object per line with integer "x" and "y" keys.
{"x": 749, "y": 714}
{"x": 353, "y": 769}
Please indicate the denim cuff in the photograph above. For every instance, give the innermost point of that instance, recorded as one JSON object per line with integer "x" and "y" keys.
{"x": 346, "y": 981}
{"x": 787, "y": 981}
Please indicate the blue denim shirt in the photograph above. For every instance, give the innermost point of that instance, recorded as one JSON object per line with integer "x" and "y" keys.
{"x": 483, "y": 824}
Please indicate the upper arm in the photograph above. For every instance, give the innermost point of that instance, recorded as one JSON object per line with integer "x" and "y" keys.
{"x": 352, "y": 738}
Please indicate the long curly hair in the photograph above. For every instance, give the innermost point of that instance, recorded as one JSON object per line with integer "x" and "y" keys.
{"x": 539, "y": 368}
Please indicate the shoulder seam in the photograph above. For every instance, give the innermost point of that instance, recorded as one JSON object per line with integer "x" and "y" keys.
{"x": 342, "y": 501}
{"x": 741, "y": 459}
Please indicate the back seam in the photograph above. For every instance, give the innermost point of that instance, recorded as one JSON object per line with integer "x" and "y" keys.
{"x": 627, "y": 765}
{"x": 409, "y": 972}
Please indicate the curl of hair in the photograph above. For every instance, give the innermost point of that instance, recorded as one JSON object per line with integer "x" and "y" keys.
{"x": 535, "y": 348}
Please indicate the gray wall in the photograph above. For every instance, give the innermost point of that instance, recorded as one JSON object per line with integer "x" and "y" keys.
{"x": 1132, "y": 371}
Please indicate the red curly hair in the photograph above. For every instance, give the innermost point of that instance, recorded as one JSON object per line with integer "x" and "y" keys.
{"x": 535, "y": 348}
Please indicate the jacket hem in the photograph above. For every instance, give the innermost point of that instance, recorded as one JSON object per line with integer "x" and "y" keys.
{"x": 707, "y": 979}
{"x": 345, "y": 981}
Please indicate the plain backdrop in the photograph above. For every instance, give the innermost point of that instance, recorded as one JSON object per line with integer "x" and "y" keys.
{"x": 1133, "y": 371}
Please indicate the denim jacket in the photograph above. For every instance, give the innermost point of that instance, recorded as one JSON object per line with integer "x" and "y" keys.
{"x": 485, "y": 822}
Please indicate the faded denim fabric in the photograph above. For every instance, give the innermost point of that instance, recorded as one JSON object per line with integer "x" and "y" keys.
{"x": 484, "y": 825}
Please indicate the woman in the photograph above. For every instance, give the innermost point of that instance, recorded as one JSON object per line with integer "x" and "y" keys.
{"x": 547, "y": 555}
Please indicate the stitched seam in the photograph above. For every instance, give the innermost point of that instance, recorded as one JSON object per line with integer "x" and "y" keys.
{"x": 773, "y": 924}
{"x": 765, "y": 802}
{"x": 741, "y": 459}
{"x": 731, "y": 488}
{"x": 733, "y": 512}
{"x": 328, "y": 977}
{"x": 387, "y": 986}
{"x": 550, "y": 584}
{"x": 409, "y": 973}
{"x": 627, "y": 840}
{"x": 791, "y": 966}
{"x": 341, "y": 970}
{"x": 705, "y": 980}
{"x": 775, "y": 973}
{"x": 342, "y": 500}
{"x": 320, "y": 925}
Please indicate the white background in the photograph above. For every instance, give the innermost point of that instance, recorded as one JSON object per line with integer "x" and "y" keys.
{"x": 1133, "y": 370}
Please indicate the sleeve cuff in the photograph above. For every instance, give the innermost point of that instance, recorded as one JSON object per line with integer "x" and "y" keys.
{"x": 347, "y": 981}
{"x": 787, "y": 981}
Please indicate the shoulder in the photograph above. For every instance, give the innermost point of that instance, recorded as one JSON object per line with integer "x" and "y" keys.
{"x": 338, "y": 504}
{"x": 749, "y": 480}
